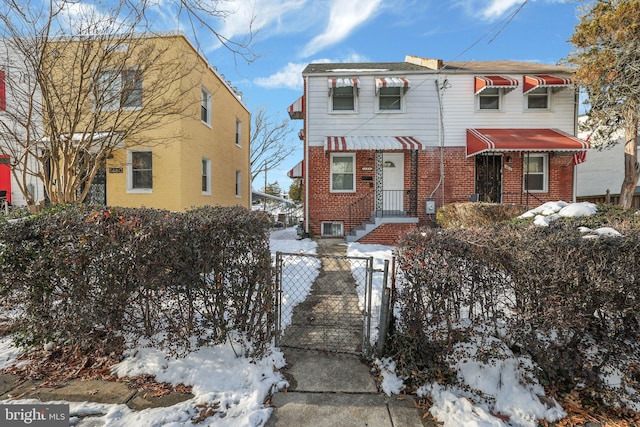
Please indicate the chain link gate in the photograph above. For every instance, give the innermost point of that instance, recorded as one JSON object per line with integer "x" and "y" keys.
{"x": 324, "y": 302}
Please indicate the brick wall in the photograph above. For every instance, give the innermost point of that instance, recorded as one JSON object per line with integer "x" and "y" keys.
{"x": 458, "y": 184}
{"x": 387, "y": 234}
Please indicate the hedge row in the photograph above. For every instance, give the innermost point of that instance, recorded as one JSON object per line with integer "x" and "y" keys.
{"x": 547, "y": 292}
{"x": 87, "y": 275}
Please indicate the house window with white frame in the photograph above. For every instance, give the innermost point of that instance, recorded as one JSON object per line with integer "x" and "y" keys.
{"x": 206, "y": 176}
{"x": 390, "y": 98}
{"x": 140, "y": 171}
{"x": 117, "y": 89}
{"x": 238, "y": 133}
{"x": 343, "y": 172}
{"x": 489, "y": 99}
{"x": 343, "y": 98}
{"x": 536, "y": 173}
{"x": 538, "y": 99}
{"x": 205, "y": 106}
{"x": 238, "y": 183}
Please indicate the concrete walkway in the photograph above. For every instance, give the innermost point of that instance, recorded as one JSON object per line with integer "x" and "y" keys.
{"x": 336, "y": 389}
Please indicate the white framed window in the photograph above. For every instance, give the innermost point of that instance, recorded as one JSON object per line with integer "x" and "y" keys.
{"x": 206, "y": 177}
{"x": 343, "y": 175}
{"x": 489, "y": 99}
{"x": 536, "y": 173}
{"x": 115, "y": 89}
{"x": 238, "y": 183}
{"x": 344, "y": 99}
{"x": 390, "y": 99}
{"x": 332, "y": 229}
{"x": 205, "y": 106}
{"x": 238, "y": 133}
{"x": 538, "y": 99}
{"x": 139, "y": 171}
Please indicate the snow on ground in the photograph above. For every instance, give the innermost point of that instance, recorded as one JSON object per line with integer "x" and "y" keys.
{"x": 546, "y": 213}
{"x": 380, "y": 253}
{"x": 503, "y": 385}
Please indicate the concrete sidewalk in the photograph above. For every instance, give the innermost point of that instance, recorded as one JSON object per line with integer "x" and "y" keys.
{"x": 332, "y": 389}
{"x": 328, "y": 389}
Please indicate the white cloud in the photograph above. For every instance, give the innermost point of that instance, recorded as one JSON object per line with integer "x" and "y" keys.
{"x": 290, "y": 77}
{"x": 247, "y": 16}
{"x": 497, "y": 8}
{"x": 344, "y": 17}
{"x": 488, "y": 10}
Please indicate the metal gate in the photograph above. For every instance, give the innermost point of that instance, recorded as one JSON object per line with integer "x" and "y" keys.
{"x": 324, "y": 302}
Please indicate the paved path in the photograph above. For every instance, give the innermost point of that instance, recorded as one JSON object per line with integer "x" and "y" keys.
{"x": 329, "y": 389}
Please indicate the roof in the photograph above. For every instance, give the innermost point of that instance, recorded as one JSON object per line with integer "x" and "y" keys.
{"x": 361, "y": 67}
{"x": 471, "y": 67}
{"x": 505, "y": 66}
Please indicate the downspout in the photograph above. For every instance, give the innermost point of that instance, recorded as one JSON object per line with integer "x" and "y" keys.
{"x": 441, "y": 141}
{"x": 306, "y": 158}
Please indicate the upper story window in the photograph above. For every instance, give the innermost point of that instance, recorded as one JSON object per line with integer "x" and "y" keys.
{"x": 343, "y": 172}
{"x": 390, "y": 99}
{"x": 205, "y": 106}
{"x": 390, "y": 92}
{"x": 489, "y": 99}
{"x": 536, "y": 172}
{"x": 489, "y": 90}
{"x": 538, "y": 98}
{"x": 343, "y": 94}
{"x": 140, "y": 171}
{"x": 238, "y": 133}
{"x": 117, "y": 89}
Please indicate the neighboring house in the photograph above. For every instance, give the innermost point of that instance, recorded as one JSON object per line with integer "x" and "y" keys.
{"x": 603, "y": 169}
{"x": 194, "y": 156}
{"x": 386, "y": 144}
{"x": 17, "y": 95}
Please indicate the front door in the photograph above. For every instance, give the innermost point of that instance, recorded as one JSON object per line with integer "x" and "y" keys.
{"x": 489, "y": 178}
{"x": 393, "y": 182}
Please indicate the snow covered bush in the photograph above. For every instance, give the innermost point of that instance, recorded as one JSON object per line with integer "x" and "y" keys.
{"x": 89, "y": 276}
{"x": 569, "y": 303}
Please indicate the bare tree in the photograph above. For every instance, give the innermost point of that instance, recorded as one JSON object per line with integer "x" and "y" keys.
{"x": 270, "y": 144}
{"x": 607, "y": 55}
{"x": 76, "y": 87}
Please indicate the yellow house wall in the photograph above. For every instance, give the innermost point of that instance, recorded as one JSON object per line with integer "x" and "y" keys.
{"x": 177, "y": 162}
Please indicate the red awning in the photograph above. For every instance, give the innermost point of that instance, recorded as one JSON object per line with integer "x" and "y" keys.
{"x": 501, "y": 82}
{"x": 343, "y": 82}
{"x": 296, "y": 110}
{"x": 355, "y": 143}
{"x": 500, "y": 140}
{"x": 533, "y": 82}
{"x": 392, "y": 82}
{"x": 297, "y": 171}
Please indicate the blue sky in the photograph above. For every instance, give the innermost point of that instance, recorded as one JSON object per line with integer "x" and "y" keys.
{"x": 293, "y": 33}
{"x": 289, "y": 34}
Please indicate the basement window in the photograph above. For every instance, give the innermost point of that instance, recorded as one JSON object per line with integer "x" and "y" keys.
{"x": 332, "y": 229}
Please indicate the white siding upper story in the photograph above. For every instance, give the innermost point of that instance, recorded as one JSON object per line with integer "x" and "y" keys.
{"x": 420, "y": 114}
{"x": 417, "y": 118}
{"x": 19, "y": 85}
{"x": 461, "y": 110}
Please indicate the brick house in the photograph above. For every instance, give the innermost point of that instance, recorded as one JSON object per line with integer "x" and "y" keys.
{"x": 386, "y": 144}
